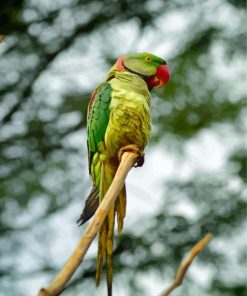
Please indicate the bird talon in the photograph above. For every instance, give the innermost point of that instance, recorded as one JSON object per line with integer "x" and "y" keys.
{"x": 140, "y": 160}
{"x": 135, "y": 149}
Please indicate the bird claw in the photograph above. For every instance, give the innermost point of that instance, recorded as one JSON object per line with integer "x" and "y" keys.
{"x": 135, "y": 149}
{"x": 140, "y": 160}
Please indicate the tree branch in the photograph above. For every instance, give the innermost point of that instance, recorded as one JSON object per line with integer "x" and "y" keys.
{"x": 186, "y": 264}
{"x": 57, "y": 285}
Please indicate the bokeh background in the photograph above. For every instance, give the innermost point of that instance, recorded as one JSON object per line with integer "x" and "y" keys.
{"x": 194, "y": 178}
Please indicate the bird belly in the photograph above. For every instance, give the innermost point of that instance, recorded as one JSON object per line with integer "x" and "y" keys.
{"x": 129, "y": 124}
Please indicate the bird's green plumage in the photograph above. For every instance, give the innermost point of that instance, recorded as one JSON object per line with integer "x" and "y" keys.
{"x": 98, "y": 118}
{"x": 129, "y": 120}
{"x": 118, "y": 115}
{"x": 143, "y": 63}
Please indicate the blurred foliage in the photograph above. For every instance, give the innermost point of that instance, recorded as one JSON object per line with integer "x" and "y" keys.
{"x": 53, "y": 55}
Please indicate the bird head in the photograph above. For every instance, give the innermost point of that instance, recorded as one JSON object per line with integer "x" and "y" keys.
{"x": 152, "y": 69}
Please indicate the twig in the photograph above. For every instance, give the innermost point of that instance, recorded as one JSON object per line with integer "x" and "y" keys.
{"x": 186, "y": 263}
{"x": 57, "y": 285}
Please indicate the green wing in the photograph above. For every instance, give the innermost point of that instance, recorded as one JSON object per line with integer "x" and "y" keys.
{"x": 98, "y": 118}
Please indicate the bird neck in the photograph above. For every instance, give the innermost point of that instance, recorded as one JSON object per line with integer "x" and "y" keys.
{"x": 129, "y": 77}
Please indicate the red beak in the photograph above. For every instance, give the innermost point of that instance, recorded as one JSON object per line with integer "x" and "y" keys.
{"x": 161, "y": 77}
{"x": 163, "y": 74}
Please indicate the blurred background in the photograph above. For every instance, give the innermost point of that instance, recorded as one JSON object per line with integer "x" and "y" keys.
{"x": 194, "y": 178}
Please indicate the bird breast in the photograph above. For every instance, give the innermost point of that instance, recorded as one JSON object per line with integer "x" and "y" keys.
{"x": 129, "y": 121}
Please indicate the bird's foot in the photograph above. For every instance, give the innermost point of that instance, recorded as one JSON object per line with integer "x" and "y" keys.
{"x": 135, "y": 149}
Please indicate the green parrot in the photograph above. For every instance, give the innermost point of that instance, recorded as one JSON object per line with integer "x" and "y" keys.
{"x": 118, "y": 120}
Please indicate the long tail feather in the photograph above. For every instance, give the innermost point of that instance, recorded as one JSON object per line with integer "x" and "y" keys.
{"x": 106, "y": 234}
{"x": 102, "y": 238}
{"x": 121, "y": 209}
{"x": 102, "y": 241}
{"x": 109, "y": 248}
{"x": 103, "y": 174}
{"x": 91, "y": 205}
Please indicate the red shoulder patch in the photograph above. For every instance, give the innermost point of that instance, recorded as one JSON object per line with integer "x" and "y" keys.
{"x": 119, "y": 64}
{"x": 92, "y": 99}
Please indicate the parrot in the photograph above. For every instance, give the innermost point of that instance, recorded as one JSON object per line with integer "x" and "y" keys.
{"x": 118, "y": 120}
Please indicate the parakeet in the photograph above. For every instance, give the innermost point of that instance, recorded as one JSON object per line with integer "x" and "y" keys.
{"x": 118, "y": 119}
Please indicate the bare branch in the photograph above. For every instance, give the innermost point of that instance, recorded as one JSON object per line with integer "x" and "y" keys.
{"x": 57, "y": 285}
{"x": 186, "y": 263}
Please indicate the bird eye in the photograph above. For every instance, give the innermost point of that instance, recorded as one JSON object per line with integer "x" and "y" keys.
{"x": 148, "y": 59}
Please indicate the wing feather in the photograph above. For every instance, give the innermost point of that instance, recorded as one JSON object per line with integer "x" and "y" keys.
{"x": 98, "y": 118}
